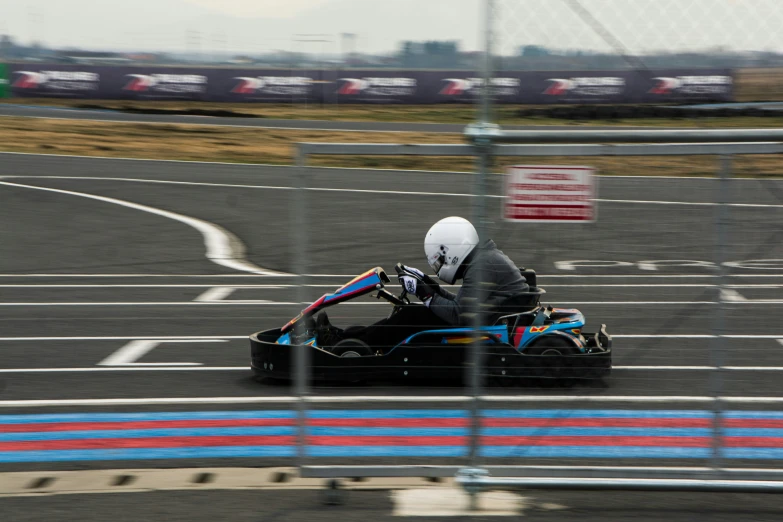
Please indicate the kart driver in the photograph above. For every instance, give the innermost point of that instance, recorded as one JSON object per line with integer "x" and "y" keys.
{"x": 453, "y": 252}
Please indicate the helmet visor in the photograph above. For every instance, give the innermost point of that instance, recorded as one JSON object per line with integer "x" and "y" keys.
{"x": 436, "y": 262}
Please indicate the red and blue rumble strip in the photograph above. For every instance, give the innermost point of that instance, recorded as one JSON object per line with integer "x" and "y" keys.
{"x": 388, "y": 433}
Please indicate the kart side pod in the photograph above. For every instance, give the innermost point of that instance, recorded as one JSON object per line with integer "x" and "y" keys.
{"x": 428, "y": 362}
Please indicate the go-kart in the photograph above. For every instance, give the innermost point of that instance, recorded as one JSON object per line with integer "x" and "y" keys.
{"x": 523, "y": 339}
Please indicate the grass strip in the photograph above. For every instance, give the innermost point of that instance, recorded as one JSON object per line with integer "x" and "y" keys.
{"x": 277, "y": 146}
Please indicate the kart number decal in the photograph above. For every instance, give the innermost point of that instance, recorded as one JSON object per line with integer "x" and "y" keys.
{"x": 539, "y": 329}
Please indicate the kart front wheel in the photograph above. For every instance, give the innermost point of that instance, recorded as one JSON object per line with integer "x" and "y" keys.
{"x": 558, "y": 349}
{"x": 351, "y": 348}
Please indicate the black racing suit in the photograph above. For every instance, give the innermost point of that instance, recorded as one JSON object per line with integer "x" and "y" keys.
{"x": 501, "y": 280}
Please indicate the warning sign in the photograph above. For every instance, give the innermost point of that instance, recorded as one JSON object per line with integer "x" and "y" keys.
{"x": 543, "y": 193}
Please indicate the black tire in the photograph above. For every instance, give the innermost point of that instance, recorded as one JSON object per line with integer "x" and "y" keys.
{"x": 556, "y": 347}
{"x": 351, "y": 348}
{"x": 552, "y": 345}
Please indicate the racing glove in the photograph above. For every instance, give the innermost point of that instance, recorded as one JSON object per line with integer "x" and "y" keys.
{"x": 421, "y": 276}
{"x": 412, "y": 281}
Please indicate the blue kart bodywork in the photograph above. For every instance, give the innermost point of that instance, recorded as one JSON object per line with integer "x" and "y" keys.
{"x": 525, "y": 340}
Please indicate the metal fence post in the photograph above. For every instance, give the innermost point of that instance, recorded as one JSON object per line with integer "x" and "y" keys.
{"x": 717, "y": 354}
{"x": 300, "y": 248}
{"x": 474, "y": 377}
{"x": 483, "y": 147}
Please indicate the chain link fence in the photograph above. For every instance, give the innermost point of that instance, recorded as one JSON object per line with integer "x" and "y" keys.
{"x": 685, "y": 271}
{"x": 611, "y": 35}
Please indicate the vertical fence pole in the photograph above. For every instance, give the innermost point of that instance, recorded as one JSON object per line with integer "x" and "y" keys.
{"x": 484, "y": 152}
{"x": 717, "y": 351}
{"x": 487, "y": 68}
{"x": 300, "y": 248}
{"x": 474, "y": 378}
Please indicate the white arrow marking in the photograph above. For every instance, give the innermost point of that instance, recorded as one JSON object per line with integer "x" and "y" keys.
{"x": 223, "y": 247}
{"x": 135, "y": 350}
{"x": 216, "y": 293}
{"x": 731, "y": 295}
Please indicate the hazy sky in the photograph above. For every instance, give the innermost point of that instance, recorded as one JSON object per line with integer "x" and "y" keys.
{"x": 252, "y": 26}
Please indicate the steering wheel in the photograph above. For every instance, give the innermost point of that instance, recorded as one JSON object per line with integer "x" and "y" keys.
{"x": 400, "y": 300}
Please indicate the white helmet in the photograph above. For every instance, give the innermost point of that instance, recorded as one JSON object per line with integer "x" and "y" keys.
{"x": 447, "y": 244}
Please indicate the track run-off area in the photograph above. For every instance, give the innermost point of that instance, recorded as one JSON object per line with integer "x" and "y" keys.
{"x": 128, "y": 289}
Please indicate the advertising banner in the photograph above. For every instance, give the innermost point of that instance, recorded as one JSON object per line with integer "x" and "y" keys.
{"x": 549, "y": 193}
{"x": 54, "y": 81}
{"x": 384, "y": 86}
{"x": 667, "y": 86}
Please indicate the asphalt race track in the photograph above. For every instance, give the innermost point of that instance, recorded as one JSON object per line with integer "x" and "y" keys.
{"x": 259, "y": 123}
{"x": 116, "y": 298}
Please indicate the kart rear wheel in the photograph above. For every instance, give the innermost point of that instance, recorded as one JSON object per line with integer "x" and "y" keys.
{"x": 351, "y": 348}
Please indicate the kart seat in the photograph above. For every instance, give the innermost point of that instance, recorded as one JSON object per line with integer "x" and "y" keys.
{"x": 518, "y": 304}
{"x": 530, "y": 276}
{"x": 523, "y": 301}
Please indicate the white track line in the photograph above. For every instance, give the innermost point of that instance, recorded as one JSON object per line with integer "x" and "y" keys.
{"x": 234, "y": 287}
{"x": 375, "y": 191}
{"x": 530, "y": 399}
{"x": 350, "y": 276}
{"x": 128, "y": 369}
{"x": 245, "y": 337}
{"x": 371, "y": 303}
{"x": 255, "y": 187}
{"x": 179, "y": 303}
{"x": 441, "y": 172}
{"x": 125, "y": 338}
{"x": 282, "y": 286}
{"x": 223, "y": 247}
{"x": 696, "y": 336}
{"x": 664, "y": 336}
{"x": 686, "y": 203}
{"x": 160, "y": 367}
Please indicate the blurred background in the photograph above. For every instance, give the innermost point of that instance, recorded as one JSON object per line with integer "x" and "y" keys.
{"x": 176, "y": 175}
